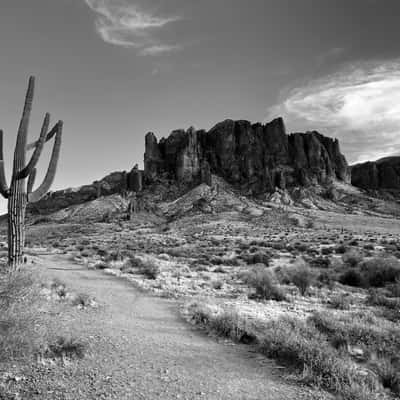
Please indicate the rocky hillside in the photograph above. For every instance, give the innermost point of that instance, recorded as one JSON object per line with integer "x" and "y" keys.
{"x": 383, "y": 174}
{"x": 256, "y": 158}
{"x": 116, "y": 182}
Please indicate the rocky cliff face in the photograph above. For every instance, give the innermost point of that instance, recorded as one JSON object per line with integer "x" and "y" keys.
{"x": 256, "y": 158}
{"x": 383, "y": 174}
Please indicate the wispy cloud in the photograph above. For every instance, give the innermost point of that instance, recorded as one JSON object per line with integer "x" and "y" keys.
{"x": 125, "y": 24}
{"x": 360, "y": 104}
{"x": 159, "y": 49}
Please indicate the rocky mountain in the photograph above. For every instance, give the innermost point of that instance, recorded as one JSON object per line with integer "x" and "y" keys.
{"x": 383, "y": 174}
{"x": 253, "y": 158}
{"x": 256, "y": 158}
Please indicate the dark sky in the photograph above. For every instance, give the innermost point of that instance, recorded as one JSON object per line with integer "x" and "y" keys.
{"x": 116, "y": 69}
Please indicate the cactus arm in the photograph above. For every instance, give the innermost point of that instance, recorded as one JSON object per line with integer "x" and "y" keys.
{"x": 19, "y": 153}
{"x": 49, "y": 136}
{"x": 31, "y": 180}
{"x": 4, "y": 190}
{"x": 51, "y": 171}
{"x": 38, "y": 150}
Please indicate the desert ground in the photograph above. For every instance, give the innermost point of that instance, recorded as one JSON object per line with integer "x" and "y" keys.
{"x": 214, "y": 296}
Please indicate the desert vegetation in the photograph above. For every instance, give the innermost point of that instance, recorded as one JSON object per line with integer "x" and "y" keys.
{"x": 19, "y": 194}
{"x": 323, "y": 302}
{"x": 29, "y": 328}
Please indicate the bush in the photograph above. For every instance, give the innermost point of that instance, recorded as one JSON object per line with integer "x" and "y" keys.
{"x": 352, "y": 278}
{"x": 66, "y": 347}
{"x": 150, "y": 269}
{"x": 380, "y": 271}
{"x": 352, "y": 258}
{"x": 320, "y": 262}
{"x": 302, "y": 278}
{"x": 340, "y": 302}
{"x": 263, "y": 283}
{"x": 222, "y": 321}
{"x": 257, "y": 258}
{"x": 341, "y": 249}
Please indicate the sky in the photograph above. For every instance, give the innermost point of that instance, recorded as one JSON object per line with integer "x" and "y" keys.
{"x": 114, "y": 70}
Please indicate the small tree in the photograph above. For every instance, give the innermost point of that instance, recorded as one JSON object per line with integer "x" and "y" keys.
{"x": 18, "y": 194}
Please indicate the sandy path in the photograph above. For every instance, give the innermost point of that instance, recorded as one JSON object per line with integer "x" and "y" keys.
{"x": 139, "y": 348}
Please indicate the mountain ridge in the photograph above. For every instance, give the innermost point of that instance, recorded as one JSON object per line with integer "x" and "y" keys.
{"x": 255, "y": 158}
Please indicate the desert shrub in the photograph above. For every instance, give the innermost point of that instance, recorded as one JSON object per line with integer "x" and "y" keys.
{"x": 42, "y": 220}
{"x": 217, "y": 285}
{"x": 277, "y": 246}
{"x": 326, "y": 251}
{"x": 114, "y": 255}
{"x": 369, "y": 246}
{"x": 302, "y": 247}
{"x": 220, "y": 270}
{"x": 86, "y": 253}
{"x": 340, "y": 302}
{"x": 300, "y": 344}
{"x": 310, "y": 224}
{"x": 149, "y": 269}
{"x": 352, "y": 277}
{"x": 320, "y": 262}
{"x": 101, "y": 265}
{"x": 81, "y": 299}
{"x": 352, "y": 258}
{"x": 302, "y": 277}
{"x": 350, "y": 329}
{"x": 66, "y": 347}
{"x": 256, "y": 258}
{"x": 388, "y": 371}
{"x": 263, "y": 282}
{"x": 223, "y": 321}
{"x": 341, "y": 249}
{"x": 102, "y": 252}
{"x": 325, "y": 278}
{"x": 380, "y": 271}
{"x": 376, "y": 299}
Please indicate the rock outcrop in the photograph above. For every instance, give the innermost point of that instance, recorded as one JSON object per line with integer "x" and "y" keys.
{"x": 116, "y": 182}
{"x": 256, "y": 158}
{"x": 383, "y": 174}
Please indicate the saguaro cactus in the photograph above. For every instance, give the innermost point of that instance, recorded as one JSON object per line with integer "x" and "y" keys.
{"x": 18, "y": 193}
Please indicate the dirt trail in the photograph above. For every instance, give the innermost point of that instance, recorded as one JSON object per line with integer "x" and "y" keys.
{"x": 139, "y": 348}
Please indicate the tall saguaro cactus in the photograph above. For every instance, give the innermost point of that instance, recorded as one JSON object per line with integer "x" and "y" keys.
{"x": 18, "y": 193}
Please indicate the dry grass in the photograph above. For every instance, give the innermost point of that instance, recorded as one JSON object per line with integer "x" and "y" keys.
{"x": 19, "y": 334}
{"x": 318, "y": 347}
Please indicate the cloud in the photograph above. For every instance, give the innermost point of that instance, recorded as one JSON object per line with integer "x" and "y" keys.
{"x": 159, "y": 49}
{"x": 124, "y": 24}
{"x": 360, "y": 105}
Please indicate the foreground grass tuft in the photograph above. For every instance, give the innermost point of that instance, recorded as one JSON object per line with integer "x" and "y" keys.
{"x": 319, "y": 347}
{"x": 18, "y": 316}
